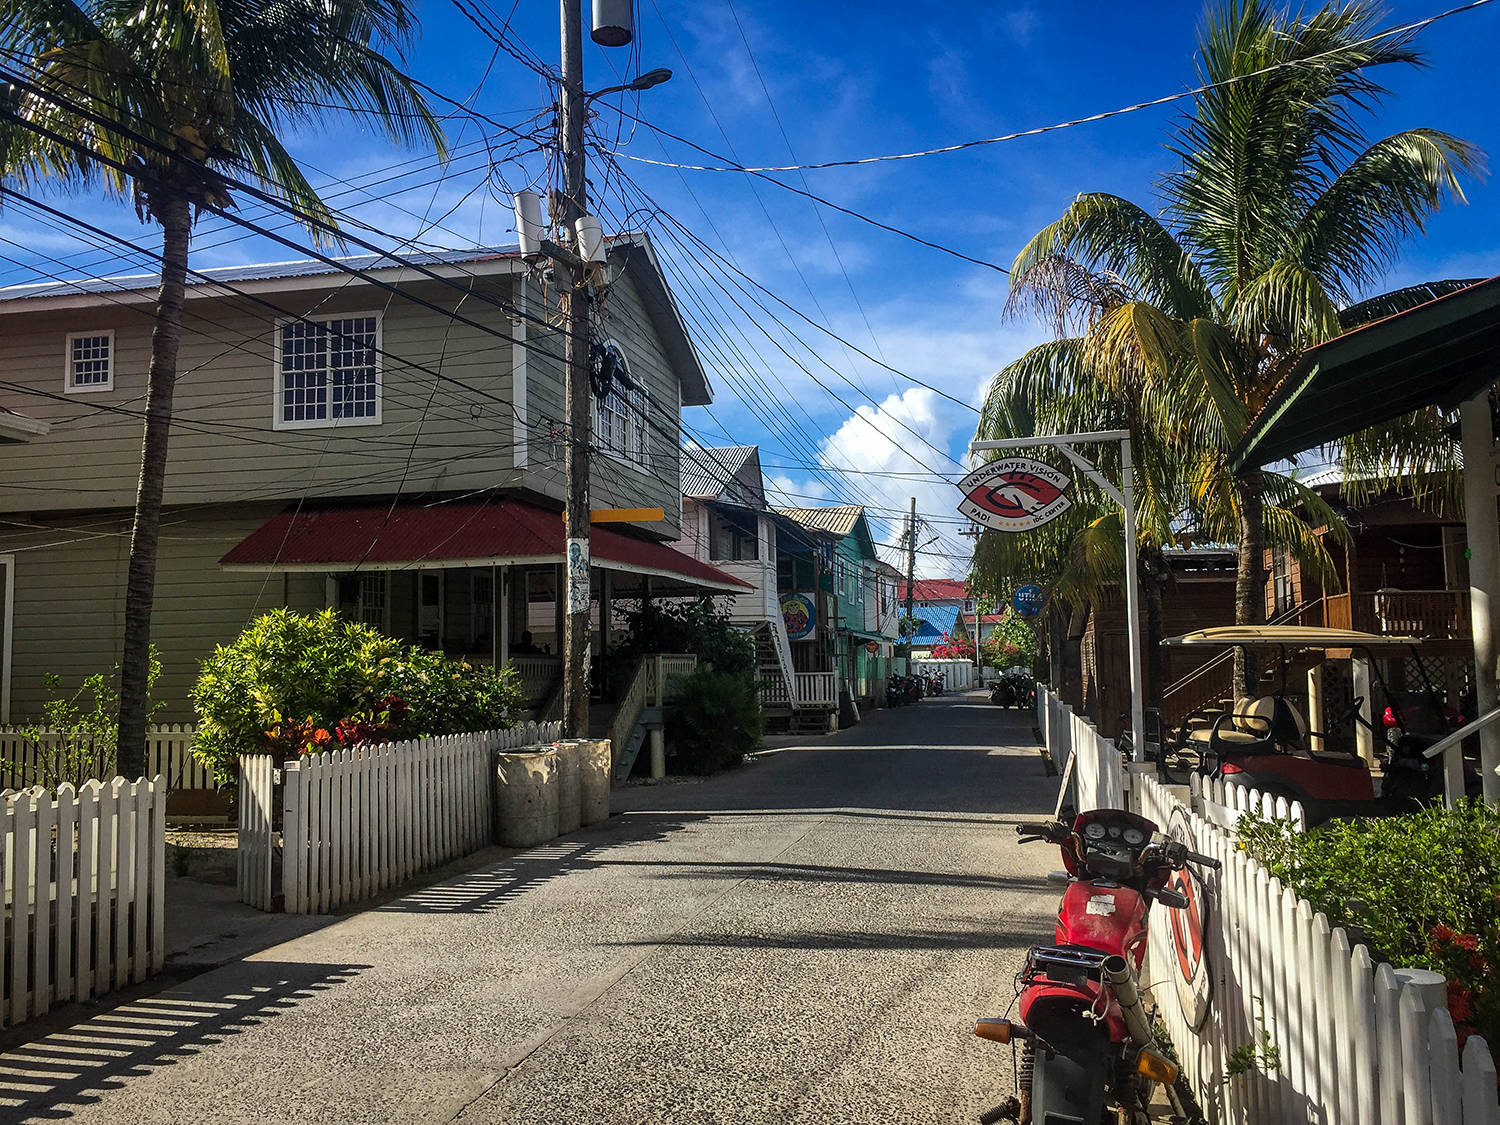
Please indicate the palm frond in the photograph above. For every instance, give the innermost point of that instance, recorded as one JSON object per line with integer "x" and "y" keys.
{"x": 1400, "y": 300}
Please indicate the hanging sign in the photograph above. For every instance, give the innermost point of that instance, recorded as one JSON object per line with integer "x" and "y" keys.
{"x": 800, "y": 615}
{"x": 872, "y": 647}
{"x": 1028, "y": 600}
{"x": 1014, "y": 494}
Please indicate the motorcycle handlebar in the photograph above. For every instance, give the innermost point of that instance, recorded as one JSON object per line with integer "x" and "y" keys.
{"x": 1176, "y": 853}
{"x": 1204, "y": 861}
{"x": 1053, "y": 831}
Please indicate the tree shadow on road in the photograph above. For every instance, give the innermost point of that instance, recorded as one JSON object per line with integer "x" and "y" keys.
{"x": 817, "y": 873}
{"x": 42, "y": 1080}
{"x": 493, "y": 886}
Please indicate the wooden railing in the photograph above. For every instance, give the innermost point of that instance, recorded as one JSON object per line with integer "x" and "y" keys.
{"x": 817, "y": 689}
{"x": 1437, "y": 614}
{"x": 649, "y": 687}
{"x": 539, "y": 676}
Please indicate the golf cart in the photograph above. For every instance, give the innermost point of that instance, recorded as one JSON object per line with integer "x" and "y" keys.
{"x": 1266, "y": 743}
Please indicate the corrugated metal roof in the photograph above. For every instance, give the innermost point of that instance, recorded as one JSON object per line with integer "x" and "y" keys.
{"x": 707, "y": 473}
{"x": 263, "y": 271}
{"x": 837, "y": 521}
{"x": 938, "y": 589}
{"x": 382, "y": 538}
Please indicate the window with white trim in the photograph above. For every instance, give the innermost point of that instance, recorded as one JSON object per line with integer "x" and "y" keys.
{"x": 621, "y": 422}
{"x": 328, "y": 372}
{"x": 90, "y": 362}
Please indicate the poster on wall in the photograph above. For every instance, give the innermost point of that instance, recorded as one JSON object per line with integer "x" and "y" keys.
{"x": 1014, "y": 494}
{"x": 800, "y": 615}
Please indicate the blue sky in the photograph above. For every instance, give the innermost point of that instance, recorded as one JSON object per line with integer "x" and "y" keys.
{"x": 846, "y": 80}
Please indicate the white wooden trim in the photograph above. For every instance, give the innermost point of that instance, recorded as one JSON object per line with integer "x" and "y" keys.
{"x": 7, "y": 633}
{"x": 277, "y": 423}
{"x": 87, "y": 388}
{"x": 198, "y": 290}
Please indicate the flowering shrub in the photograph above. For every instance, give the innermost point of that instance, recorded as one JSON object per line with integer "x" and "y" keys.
{"x": 295, "y": 683}
{"x": 1423, "y": 889}
{"x": 1011, "y": 643}
{"x": 953, "y": 648}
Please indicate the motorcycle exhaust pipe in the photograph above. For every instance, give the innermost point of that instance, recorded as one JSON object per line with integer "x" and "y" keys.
{"x": 1122, "y": 979}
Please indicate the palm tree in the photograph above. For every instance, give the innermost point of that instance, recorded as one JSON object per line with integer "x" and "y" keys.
{"x": 165, "y": 98}
{"x": 1280, "y": 212}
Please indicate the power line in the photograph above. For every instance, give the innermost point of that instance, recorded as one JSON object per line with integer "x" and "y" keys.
{"x": 733, "y": 166}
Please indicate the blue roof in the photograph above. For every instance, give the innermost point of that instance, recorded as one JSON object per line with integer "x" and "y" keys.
{"x": 938, "y": 621}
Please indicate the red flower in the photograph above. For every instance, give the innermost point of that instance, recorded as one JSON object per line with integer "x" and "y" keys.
{"x": 1460, "y": 1005}
{"x": 1467, "y": 941}
{"x": 1442, "y": 935}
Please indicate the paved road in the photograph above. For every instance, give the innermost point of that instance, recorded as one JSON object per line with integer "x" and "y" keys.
{"x": 807, "y": 939}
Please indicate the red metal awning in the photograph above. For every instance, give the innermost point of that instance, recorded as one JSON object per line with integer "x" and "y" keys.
{"x": 486, "y": 533}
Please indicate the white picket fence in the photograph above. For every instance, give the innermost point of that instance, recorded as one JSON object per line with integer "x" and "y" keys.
{"x": 1222, "y": 803}
{"x": 356, "y": 822}
{"x": 1357, "y": 1046}
{"x": 84, "y": 884}
{"x": 958, "y": 675}
{"x": 26, "y": 760}
{"x": 1092, "y": 765}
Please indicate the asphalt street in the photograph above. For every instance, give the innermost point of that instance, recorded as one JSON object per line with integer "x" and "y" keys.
{"x": 806, "y": 939}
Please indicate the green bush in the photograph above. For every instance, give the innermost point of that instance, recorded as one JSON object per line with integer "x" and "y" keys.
{"x": 713, "y": 721}
{"x": 688, "y": 627}
{"x": 1423, "y": 888}
{"x": 1012, "y": 643}
{"x": 293, "y": 683}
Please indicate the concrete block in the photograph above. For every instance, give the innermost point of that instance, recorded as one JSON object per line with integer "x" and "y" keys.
{"x": 595, "y": 758}
{"x": 526, "y": 797}
{"x": 569, "y": 797}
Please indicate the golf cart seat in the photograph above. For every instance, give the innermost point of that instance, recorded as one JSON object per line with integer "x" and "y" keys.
{"x": 1246, "y": 729}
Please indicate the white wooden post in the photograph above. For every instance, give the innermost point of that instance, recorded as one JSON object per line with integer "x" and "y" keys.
{"x": 1447, "y": 1087}
{"x": 1316, "y": 719}
{"x": 1480, "y": 1106}
{"x": 1364, "y": 686}
{"x": 1477, "y": 435}
{"x": 1415, "y": 1079}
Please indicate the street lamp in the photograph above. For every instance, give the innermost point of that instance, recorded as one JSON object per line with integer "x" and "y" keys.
{"x": 644, "y": 82}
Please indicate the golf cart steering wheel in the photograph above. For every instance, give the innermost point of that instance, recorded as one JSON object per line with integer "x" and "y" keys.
{"x": 1353, "y": 711}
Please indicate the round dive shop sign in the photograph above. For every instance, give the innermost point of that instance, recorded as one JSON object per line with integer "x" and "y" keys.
{"x": 800, "y": 615}
{"x": 1190, "y": 969}
{"x": 1028, "y": 600}
{"x": 1014, "y": 494}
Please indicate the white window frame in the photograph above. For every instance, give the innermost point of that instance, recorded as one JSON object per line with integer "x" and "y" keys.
{"x": 69, "y": 387}
{"x": 278, "y": 388}
{"x": 643, "y": 420}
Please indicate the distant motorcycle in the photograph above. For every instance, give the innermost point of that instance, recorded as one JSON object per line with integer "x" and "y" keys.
{"x": 1014, "y": 688}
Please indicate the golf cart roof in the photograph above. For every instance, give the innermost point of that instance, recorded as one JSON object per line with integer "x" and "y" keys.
{"x": 1291, "y": 636}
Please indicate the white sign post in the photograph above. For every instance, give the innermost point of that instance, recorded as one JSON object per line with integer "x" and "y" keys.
{"x": 987, "y": 504}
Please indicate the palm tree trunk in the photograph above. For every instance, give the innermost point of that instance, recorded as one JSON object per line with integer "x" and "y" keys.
{"x": 175, "y": 216}
{"x": 1249, "y": 582}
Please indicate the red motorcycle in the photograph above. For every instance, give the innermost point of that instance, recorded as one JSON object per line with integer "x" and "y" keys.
{"x": 1087, "y": 1048}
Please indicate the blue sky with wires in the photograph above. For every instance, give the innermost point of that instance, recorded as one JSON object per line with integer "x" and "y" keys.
{"x": 801, "y": 312}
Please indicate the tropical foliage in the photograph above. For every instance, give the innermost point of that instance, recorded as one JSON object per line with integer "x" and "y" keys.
{"x": 1422, "y": 890}
{"x": 1177, "y": 323}
{"x": 712, "y": 721}
{"x": 173, "y": 104}
{"x": 295, "y": 683}
{"x": 697, "y": 627}
{"x": 1012, "y": 642}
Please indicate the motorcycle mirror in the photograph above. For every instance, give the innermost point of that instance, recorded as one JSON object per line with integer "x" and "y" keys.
{"x": 1168, "y": 897}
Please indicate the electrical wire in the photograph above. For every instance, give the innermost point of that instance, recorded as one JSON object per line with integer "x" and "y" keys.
{"x": 734, "y": 166}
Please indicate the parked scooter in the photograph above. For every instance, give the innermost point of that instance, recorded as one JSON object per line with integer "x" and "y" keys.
{"x": 1014, "y": 688}
{"x": 934, "y": 683}
{"x": 1085, "y": 1040}
{"x": 1002, "y": 693}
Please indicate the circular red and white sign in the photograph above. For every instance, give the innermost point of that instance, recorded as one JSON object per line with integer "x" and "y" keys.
{"x": 1014, "y": 494}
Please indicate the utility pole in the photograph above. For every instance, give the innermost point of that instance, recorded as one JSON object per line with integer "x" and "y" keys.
{"x": 576, "y": 392}
{"x": 911, "y": 565}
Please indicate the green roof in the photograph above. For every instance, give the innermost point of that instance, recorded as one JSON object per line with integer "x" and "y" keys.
{"x": 1438, "y": 354}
